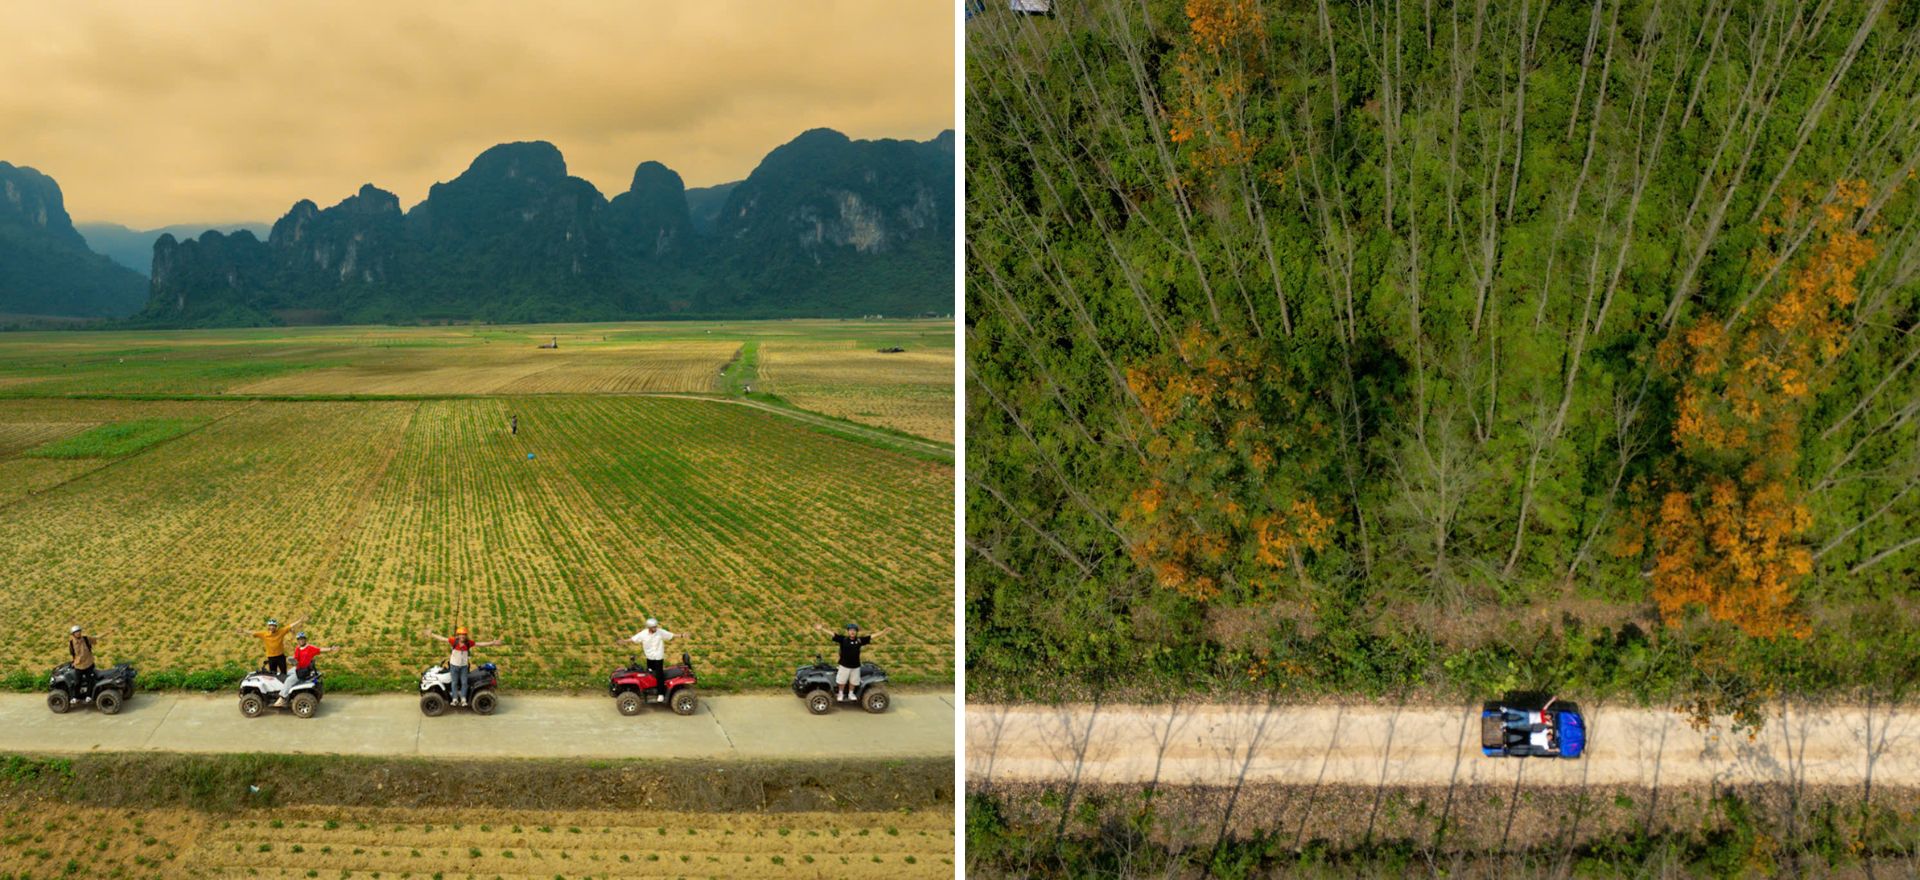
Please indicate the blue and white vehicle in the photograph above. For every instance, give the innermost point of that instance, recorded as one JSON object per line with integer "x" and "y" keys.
{"x": 1532, "y": 729}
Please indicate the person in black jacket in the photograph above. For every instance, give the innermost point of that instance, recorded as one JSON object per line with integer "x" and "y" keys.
{"x": 846, "y": 679}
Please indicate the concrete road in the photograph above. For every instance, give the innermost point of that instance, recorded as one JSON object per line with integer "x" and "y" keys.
{"x": 1426, "y": 746}
{"x": 527, "y": 726}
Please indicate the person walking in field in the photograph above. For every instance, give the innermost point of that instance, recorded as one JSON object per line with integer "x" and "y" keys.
{"x": 513, "y": 425}
{"x": 653, "y": 643}
{"x": 303, "y": 657}
{"x": 273, "y": 642}
{"x": 847, "y": 678}
{"x": 460, "y": 659}
{"x": 80, "y": 648}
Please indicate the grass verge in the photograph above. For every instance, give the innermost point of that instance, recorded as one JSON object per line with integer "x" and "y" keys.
{"x": 1466, "y": 830}
{"x": 228, "y": 677}
{"x": 241, "y": 781}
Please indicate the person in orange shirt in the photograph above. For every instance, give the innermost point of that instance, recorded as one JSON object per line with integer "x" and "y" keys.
{"x": 460, "y": 659}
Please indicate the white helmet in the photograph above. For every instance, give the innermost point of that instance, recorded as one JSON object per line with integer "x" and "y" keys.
{"x": 652, "y": 622}
{"x": 74, "y": 630}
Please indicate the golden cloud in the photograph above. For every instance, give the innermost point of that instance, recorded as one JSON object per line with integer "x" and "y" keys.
{"x": 168, "y": 112}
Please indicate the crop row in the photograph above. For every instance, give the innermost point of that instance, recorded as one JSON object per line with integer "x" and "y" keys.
{"x": 736, "y": 527}
{"x": 166, "y": 551}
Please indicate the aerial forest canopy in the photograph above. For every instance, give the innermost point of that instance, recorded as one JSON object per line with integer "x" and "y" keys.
{"x": 1397, "y": 345}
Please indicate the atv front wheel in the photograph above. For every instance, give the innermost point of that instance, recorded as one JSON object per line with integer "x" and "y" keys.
{"x": 483, "y": 703}
{"x": 58, "y": 702}
{"x": 108, "y": 702}
{"x": 628, "y": 703}
{"x": 875, "y": 700}
{"x": 820, "y": 702}
{"x": 432, "y": 704}
{"x": 684, "y": 701}
{"x": 305, "y": 705}
{"x": 251, "y": 705}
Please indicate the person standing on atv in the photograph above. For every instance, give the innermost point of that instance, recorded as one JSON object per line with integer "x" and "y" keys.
{"x": 653, "y": 643}
{"x": 460, "y": 660}
{"x": 273, "y": 641}
{"x": 846, "y": 679}
{"x": 303, "y": 657}
{"x": 80, "y": 648}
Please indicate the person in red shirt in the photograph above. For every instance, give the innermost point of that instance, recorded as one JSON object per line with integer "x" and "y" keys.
{"x": 303, "y": 657}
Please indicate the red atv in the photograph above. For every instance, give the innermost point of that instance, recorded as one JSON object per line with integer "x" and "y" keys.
{"x": 634, "y": 687}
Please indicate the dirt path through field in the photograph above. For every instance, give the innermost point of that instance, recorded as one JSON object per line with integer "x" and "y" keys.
{"x": 525, "y": 726}
{"x": 1221, "y": 745}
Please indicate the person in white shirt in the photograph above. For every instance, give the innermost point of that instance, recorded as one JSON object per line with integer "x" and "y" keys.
{"x": 653, "y": 644}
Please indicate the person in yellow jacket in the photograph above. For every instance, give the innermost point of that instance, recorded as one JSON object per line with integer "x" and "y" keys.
{"x": 273, "y": 642}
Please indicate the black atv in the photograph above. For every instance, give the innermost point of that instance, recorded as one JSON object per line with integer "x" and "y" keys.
{"x": 815, "y": 685}
{"x": 111, "y": 689}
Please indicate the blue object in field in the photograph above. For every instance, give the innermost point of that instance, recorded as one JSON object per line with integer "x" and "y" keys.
{"x": 529, "y": 456}
{"x": 1573, "y": 735}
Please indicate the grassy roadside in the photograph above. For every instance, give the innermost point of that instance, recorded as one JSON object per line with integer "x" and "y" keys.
{"x": 1389, "y": 831}
{"x": 242, "y": 781}
{"x": 1866, "y": 652}
{"x": 227, "y": 678}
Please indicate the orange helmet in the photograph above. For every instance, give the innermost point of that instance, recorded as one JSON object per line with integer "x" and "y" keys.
{"x": 460, "y": 632}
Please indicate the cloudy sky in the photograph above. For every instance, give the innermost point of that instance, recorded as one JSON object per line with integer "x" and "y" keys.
{"x": 154, "y": 113}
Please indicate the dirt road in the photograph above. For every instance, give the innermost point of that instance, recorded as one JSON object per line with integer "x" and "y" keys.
{"x": 533, "y": 725}
{"x": 1425, "y": 746}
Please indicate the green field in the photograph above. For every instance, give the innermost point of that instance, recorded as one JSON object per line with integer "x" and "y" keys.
{"x": 832, "y": 361}
{"x": 148, "y": 494}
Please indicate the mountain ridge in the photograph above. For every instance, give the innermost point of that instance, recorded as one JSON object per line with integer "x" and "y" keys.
{"x": 46, "y": 267}
{"x": 133, "y": 248}
{"x": 825, "y": 226}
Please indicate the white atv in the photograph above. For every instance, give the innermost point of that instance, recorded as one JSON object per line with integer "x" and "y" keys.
{"x": 436, "y": 689}
{"x": 262, "y": 690}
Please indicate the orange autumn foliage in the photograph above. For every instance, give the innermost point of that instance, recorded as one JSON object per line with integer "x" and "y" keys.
{"x": 1233, "y": 443}
{"x": 1214, "y": 74}
{"x": 1729, "y": 528}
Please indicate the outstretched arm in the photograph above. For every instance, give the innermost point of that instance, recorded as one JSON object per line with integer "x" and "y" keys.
{"x": 330, "y": 649}
{"x": 821, "y": 629}
{"x": 494, "y": 643}
{"x": 245, "y": 633}
{"x": 434, "y": 635}
{"x": 881, "y": 633}
{"x": 295, "y": 625}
